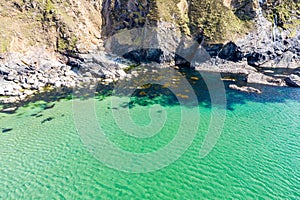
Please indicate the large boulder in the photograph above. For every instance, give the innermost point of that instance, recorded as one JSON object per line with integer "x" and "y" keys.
{"x": 260, "y": 78}
{"x": 230, "y": 51}
{"x": 243, "y": 9}
{"x": 256, "y": 59}
{"x": 213, "y": 49}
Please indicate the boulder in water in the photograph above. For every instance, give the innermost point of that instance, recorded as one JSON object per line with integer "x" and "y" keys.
{"x": 245, "y": 89}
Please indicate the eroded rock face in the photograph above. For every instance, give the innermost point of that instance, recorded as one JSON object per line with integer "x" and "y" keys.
{"x": 173, "y": 21}
{"x": 125, "y": 14}
{"x": 147, "y": 44}
{"x": 243, "y": 9}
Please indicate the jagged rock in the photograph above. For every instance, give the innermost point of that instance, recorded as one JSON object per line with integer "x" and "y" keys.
{"x": 69, "y": 73}
{"x": 213, "y": 49}
{"x": 58, "y": 84}
{"x": 145, "y": 55}
{"x": 2, "y": 91}
{"x": 4, "y": 70}
{"x": 231, "y": 52}
{"x": 293, "y": 80}
{"x": 288, "y": 60}
{"x": 221, "y": 66}
{"x": 11, "y": 89}
{"x": 10, "y": 77}
{"x": 256, "y": 59}
{"x": 245, "y": 89}
{"x": 98, "y": 66}
{"x": 147, "y": 44}
{"x": 28, "y": 92}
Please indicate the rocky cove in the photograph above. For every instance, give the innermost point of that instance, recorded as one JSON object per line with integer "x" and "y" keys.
{"x": 267, "y": 53}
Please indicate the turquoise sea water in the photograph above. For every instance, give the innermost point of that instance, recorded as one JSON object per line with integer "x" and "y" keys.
{"x": 257, "y": 156}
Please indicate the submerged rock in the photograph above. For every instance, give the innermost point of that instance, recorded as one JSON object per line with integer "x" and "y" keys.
{"x": 245, "y": 89}
{"x": 4, "y": 130}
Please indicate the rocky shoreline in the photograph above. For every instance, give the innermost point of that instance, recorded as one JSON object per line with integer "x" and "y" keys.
{"x": 266, "y": 56}
{"x": 22, "y": 76}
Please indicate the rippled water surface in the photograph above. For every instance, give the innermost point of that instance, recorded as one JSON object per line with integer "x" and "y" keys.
{"x": 256, "y": 156}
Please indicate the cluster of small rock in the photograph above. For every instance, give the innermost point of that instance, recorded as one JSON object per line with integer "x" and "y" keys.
{"x": 21, "y": 77}
{"x": 24, "y": 75}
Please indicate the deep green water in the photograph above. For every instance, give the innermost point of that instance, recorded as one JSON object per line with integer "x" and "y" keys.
{"x": 257, "y": 155}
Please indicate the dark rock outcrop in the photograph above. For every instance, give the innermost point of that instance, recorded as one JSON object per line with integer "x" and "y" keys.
{"x": 231, "y": 52}
{"x": 256, "y": 59}
{"x": 293, "y": 80}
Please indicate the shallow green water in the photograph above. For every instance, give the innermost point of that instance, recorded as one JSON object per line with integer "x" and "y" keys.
{"x": 256, "y": 157}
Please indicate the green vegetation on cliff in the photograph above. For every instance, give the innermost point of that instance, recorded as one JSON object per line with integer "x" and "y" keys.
{"x": 212, "y": 18}
{"x": 287, "y": 13}
{"x": 77, "y": 25}
{"x": 61, "y": 25}
{"x": 217, "y": 22}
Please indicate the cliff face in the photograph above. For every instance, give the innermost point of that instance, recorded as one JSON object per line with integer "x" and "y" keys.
{"x": 60, "y": 25}
{"x": 285, "y": 13}
{"x": 218, "y": 21}
{"x": 78, "y": 25}
{"x": 120, "y": 14}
